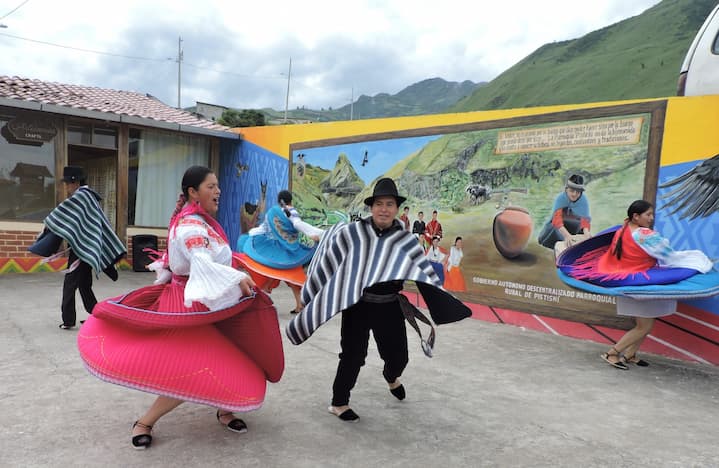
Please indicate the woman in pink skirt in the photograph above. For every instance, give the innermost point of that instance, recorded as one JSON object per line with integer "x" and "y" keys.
{"x": 201, "y": 333}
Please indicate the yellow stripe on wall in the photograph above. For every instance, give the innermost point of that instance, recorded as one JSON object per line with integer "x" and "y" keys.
{"x": 691, "y": 129}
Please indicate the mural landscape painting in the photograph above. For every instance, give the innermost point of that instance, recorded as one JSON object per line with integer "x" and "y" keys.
{"x": 470, "y": 177}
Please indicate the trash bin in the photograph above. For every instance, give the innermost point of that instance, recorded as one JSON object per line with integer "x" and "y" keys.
{"x": 141, "y": 258}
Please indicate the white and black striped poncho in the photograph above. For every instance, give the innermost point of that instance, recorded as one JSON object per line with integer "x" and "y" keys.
{"x": 350, "y": 258}
{"x": 81, "y": 222}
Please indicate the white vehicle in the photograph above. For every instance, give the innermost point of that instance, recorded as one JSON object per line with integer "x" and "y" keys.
{"x": 700, "y": 71}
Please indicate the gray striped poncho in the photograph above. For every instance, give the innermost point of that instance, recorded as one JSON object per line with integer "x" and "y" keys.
{"x": 350, "y": 258}
{"x": 81, "y": 222}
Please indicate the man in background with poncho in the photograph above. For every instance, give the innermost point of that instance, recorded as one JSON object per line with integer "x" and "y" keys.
{"x": 93, "y": 244}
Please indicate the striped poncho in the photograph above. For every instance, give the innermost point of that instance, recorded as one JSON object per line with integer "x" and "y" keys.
{"x": 81, "y": 222}
{"x": 350, "y": 258}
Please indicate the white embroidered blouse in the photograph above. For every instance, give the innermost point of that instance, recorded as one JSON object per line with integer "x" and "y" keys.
{"x": 197, "y": 251}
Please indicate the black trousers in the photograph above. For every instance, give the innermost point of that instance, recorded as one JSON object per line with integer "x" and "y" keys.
{"x": 387, "y": 324}
{"x": 80, "y": 278}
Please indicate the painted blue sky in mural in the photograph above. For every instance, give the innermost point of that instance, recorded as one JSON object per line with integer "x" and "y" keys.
{"x": 381, "y": 154}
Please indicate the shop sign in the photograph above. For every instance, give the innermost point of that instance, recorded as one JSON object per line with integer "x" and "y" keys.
{"x": 32, "y": 129}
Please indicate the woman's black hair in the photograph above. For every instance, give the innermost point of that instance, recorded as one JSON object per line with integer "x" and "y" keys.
{"x": 637, "y": 207}
{"x": 284, "y": 197}
{"x": 457, "y": 238}
{"x": 193, "y": 177}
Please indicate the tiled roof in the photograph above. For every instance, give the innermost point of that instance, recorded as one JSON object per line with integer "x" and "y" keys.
{"x": 100, "y": 100}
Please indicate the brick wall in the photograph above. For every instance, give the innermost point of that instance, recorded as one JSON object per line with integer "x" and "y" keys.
{"x": 14, "y": 245}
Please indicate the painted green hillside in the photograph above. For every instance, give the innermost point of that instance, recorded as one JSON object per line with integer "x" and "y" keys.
{"x": 639, "y": 57}
{"x": 438, "y": 175}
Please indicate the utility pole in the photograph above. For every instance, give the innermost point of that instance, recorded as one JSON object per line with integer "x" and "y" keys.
{"x": 287, "y": 96}
{"x": 352, "y": 103}
{"x": 179, "y": 71}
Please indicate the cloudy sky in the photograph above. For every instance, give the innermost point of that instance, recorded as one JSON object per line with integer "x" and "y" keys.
{"x": 237, "y": 53}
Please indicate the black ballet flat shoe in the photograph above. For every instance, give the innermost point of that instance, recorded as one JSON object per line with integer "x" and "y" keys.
{"x": 141, "y": 441}
{"x": 294, "y": 311}
{"x": 347, "y": 415}
{"x": 236, "y": 425}
{"x": 398, "y": 392}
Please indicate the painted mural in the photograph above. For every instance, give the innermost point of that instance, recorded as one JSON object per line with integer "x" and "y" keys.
{"x": 496, "y": 186}
{"x": 250, "y": 179}
{"x": 476, "y": 167}
{"x": 688, "y": 210}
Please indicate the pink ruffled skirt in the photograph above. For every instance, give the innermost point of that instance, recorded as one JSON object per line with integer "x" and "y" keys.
{"x": 149, "y": 341}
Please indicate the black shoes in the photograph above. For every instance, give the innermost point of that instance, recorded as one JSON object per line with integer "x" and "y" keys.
{"x": 347, "y": 415}
{"x": 66, "y": 327}
{"x": 141, "y": 441}
{"x": 236, "y": 425}
{"x": 619, "y": 364}
{"x": 398, "y": 392}
{"x": 636, "y": 361}
{"x": 294, "y": 311}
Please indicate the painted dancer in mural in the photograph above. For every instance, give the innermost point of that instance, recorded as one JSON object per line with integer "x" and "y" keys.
{"x": 437, "y": 258}
{"x": 201, "y": 318}
{"x": 434, "y": 228}
{"x": 359, "y": 269}
{"x": 636, "y": 249}
{"x": 404, "y": 217}
{"x": 570, "y": 216}
{"x": 274, "y": 251}
{"x": 418, "y": 228}
{"x": 80, "y": 221}
{"x": 455, "y": 279}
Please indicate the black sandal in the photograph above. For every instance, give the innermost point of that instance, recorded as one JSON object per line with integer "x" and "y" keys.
{"x": 636, "y": 361}
{"x": 619, "y": 364}
{"x": 141, "y": 441}
{"x": 236, "y": 425}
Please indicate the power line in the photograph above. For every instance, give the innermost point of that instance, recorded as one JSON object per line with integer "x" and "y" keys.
{"x": 14, "y": 10}
{"x": 135, "y": 57}
{"x": 200, "y": 67}
{"x": 79, "y": 49}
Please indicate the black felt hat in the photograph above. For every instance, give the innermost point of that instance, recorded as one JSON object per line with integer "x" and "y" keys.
{"x": 384, "y": 188}
{"x": 72, "y": 174}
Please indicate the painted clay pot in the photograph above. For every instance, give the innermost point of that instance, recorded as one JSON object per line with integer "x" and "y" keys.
{"x": 511, "y": 230}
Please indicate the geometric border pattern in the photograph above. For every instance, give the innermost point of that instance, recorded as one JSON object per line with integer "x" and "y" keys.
{"x": 36, "y": 265}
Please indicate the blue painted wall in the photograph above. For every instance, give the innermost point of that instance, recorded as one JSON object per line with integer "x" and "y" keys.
{"x": 685, "y": 234}
{"x": 244, "y": 167}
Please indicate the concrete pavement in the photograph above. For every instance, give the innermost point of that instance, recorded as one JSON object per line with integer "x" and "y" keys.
{"x": 493, "y": 395}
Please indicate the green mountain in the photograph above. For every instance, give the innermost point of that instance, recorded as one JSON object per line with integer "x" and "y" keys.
{"x": 635, "y": 58}
{"x": 431, "y": 96}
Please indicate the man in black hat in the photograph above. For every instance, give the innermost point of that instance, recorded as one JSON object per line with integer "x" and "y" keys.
{"x": 80, "y": 221}
{"x": 359, "y": 269}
